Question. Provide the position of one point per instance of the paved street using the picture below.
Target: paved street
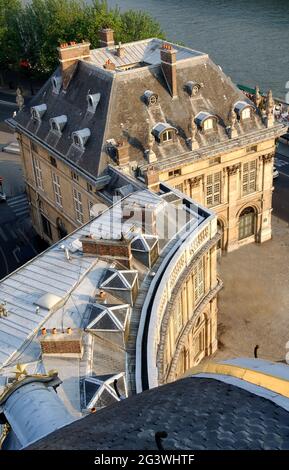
(6, 109)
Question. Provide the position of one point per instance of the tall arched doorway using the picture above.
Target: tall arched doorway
(247, 223)
(220, 227)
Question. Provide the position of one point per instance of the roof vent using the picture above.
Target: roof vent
(100, 392)
(92, 102)
(48, 301)
(58, 123)
(80, 137)
(108, 317)
(56, 84)
(193, 88)
(122, 284)
(145, 248)
(38, 111)
(150, 98)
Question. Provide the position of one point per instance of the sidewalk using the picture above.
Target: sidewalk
(254, 304)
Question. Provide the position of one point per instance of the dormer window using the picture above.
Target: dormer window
(58, 123)
(243, 110)
(80, 137)
(193, 88)
(56, 82)
(150, 98)
(164, 132)
(38, 111)
(206, 121)
(92, 102)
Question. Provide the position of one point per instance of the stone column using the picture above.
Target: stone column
(233, 175)
(265, 229)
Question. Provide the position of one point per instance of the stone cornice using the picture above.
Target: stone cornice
(220, 147)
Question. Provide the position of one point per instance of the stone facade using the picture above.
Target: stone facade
(229, 184)
(220, 154)
(53, 189)
(183, 322)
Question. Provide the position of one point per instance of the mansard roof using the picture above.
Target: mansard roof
(121, 108)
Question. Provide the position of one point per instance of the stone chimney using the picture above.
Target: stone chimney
(118, 250)
(69, 55)
(169, 67)
(120, 50)
(106, 37)
(122, 153)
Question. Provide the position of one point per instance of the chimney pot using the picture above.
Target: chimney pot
(102, 294)
(69, 330)
(54, 331)
(109, 65)
(43, 331)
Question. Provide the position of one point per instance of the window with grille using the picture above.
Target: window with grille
(249, 177)
(38, 173)
(57, 189)
(208, 124)
(179, 187)
(199, 281)
(213, 196)
(246, 113)
(246, 223)
(90, 206)
(78, 205)
(53, 162)
(74, 176)
(174, 173)
(34, 147)
(46, 226)
(167, 135)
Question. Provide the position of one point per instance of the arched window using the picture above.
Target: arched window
(247, 223)
(220, 226)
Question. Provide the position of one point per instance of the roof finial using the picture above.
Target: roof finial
(150, 154)
(19, 99)
(258, 97)
(270, 109)
(231, 129)
(232, 118)
(193, 144)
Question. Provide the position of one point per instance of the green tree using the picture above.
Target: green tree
(33, 31)
(138, 25)
(9, 9)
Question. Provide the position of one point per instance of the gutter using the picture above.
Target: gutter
(94, 180)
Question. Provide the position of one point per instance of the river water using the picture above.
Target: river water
(248, 38)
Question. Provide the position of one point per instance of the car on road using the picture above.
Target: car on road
(275, 172)
(2, 196)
